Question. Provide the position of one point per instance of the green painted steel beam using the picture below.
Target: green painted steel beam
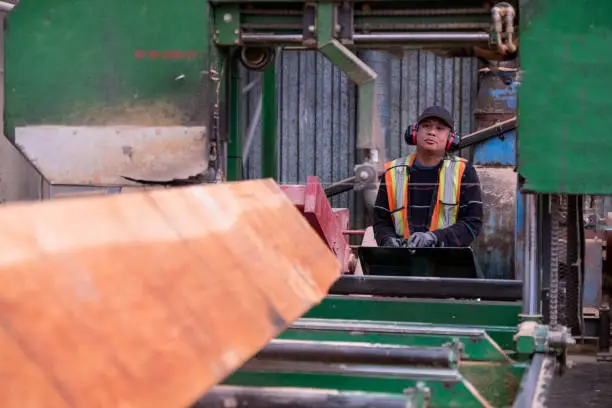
(565, 96)
(357, 70)
(288, 17)
(227, 20)
(269, 117)
(234, 148)
(441, 312)
(498, 319)
(474, 348)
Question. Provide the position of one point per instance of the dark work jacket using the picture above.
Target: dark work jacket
(423, 191)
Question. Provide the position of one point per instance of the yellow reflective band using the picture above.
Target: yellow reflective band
(449, 185)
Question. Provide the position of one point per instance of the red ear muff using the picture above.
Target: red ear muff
(453, 140)
(410, 135)
(449, 143)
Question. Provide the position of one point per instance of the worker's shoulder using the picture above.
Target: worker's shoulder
(400, 159)
(469, 171)
(459, 159)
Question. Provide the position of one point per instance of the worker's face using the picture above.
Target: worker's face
(432, 135)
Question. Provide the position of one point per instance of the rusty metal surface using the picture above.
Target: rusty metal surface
(495, 159)
(101, 156)
(495, 244)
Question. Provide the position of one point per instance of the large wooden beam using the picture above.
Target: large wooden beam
(148, 299)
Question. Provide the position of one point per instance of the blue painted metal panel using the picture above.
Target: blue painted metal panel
(593, 278)
(497, 101)
(497, 151)
(496, 247)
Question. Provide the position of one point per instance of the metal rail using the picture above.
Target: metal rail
(435, 288)
(496, 130)
(471, 139)
(390, 328)
(358, 353)
(279, 397)
(531, 300)
(424, 38)
(423, 374)
(536, 382)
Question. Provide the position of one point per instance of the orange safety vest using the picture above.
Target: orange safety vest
(449, 187)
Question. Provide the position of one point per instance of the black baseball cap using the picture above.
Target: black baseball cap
(438, 112)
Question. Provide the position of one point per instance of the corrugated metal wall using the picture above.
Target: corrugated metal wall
(317, 109)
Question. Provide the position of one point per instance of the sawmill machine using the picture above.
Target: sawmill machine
(116, 95)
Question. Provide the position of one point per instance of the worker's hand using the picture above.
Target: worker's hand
(421, 240)
(392, 242)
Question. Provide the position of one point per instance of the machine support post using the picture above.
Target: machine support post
(357, 70)
(234, 150)
(531, 270)
(604, 329)
(269, 151)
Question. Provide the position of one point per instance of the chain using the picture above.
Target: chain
(554, 261)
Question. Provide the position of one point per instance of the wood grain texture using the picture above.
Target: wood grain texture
(148, 299)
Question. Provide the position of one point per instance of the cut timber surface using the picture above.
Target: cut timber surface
(148, 299)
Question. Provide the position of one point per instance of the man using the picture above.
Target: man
(450, 216)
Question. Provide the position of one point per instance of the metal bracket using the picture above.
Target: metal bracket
(345, 23)
(309, 25)
(357, 70)
(227, 25)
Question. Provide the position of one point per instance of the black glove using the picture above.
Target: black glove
(422, 240)
(392, 242)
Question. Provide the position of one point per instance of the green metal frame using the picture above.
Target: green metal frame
(498, 319)
(357, 70)
(564, 98)
(269, 116)
(235, 19)
(489, 373)
(118, 62)
(479, 347)
(234, 145)
(448, 388)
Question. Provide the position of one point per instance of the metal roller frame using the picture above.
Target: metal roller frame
(280, 397)
(358, 353)
(435, 288)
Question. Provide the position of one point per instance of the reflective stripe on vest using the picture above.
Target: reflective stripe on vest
(447, 203)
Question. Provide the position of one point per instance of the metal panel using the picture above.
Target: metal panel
(496, 101)
(566, 83)
(19, 180)
(317, 111)
(593, 278)
(102, 155)
(108, 63)
(495, 244)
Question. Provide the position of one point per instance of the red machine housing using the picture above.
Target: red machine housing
(330, 223)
